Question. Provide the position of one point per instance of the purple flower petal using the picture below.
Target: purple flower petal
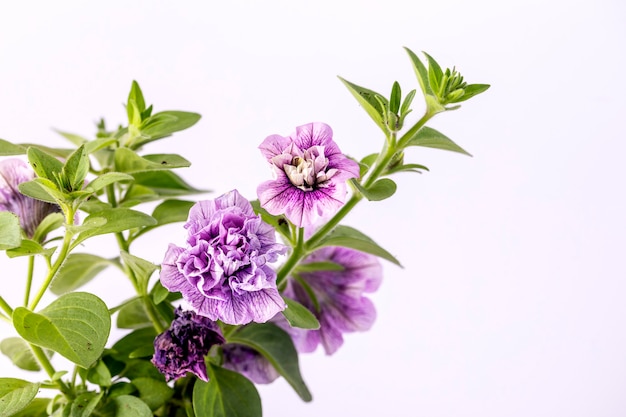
(249, 363)
(224, 273)
(310, 175)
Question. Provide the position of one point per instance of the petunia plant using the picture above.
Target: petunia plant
(252, 283)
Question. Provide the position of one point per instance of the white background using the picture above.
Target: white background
(511, 300)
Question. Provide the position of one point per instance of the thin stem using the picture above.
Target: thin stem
(153, 314)
(6, 307)
(47, 366)
(29, 279)
(67, 240)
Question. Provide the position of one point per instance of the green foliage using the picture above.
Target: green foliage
(11, 236)
(299, 316)
(15, 395)
(277, 347)
(227, 394)
(77, 270)
(75, 325)
(431, 138)
(16, 349)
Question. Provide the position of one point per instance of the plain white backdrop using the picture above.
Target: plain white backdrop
(511, 301)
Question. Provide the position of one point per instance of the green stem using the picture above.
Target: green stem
(29, 279)
(67, 240)
(47, 366)
(6, 307)
(152, 314)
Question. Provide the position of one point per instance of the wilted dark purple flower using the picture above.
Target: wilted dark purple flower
(341, 306)
(310, 174)
(249, 363)
(224, 272)
(30, 211)
(182, 347)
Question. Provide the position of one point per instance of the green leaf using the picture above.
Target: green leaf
(133, 315)
(36, 408)
(406, 104)
(16, 349)
(11, 235)
(76, 325)
(435, 74)
(159, 293)
(165, 183)
(277, 347)
(472, 90)
(380, 190)
(15, 395)
(129, 161)
(50, 223)
(115, 220)
(127, 406)
(99, 374)
(431, 138)
(137, 95)
(319, 266)
(165, 123)
(227, 394)
(8, 148)
(299, 316)
(29, 248)
(42, 189)
(75, 139)
(368, 99)
(153, 392)
(76, 169)
(408, 168)
(77, 270)
(133, 341)
(142, 268)
(421, 72)
(44, 164)
(85, 404)
(395, 97)
(105, 179)
(351, 238)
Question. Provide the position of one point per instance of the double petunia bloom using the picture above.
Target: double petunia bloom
(310, 175)
(224, 272)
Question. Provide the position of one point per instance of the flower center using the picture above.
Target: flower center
(309, 171)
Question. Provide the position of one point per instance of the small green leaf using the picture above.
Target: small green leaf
(137, 95)
(368, 99)
(99, 374)
(141, 268)
(421, 72)
(319, 266)
(29, 247)
(408, 168)
(406, 104)
(50, 223)
(472, 90)
(431, 138)
(133, 341)
(129, 161)
(277, 347)
(395, 97)
(15, 395)
(44, 164)
(42, 189)
(153, 392)
(36, 408)
(8, 148)
(380, 190)
(115, 220)
(133, 315)
(16, 349)
(75, 139)
(85, 404)
(127, 406)
(435, 74)
(165, 183)
(165, 123)
(77, 270)
(227, 394)
(11, 235)
(76, 325)
(105, 179)
(351, 238)
(299, 316)
(76, 169)
(159, 293)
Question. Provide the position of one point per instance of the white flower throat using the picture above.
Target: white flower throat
(309, 171)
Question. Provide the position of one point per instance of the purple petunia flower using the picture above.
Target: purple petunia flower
(310, 174)
(182, 347)
(224, 272)
(30, 211)
(341, 306)
(249, 363)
